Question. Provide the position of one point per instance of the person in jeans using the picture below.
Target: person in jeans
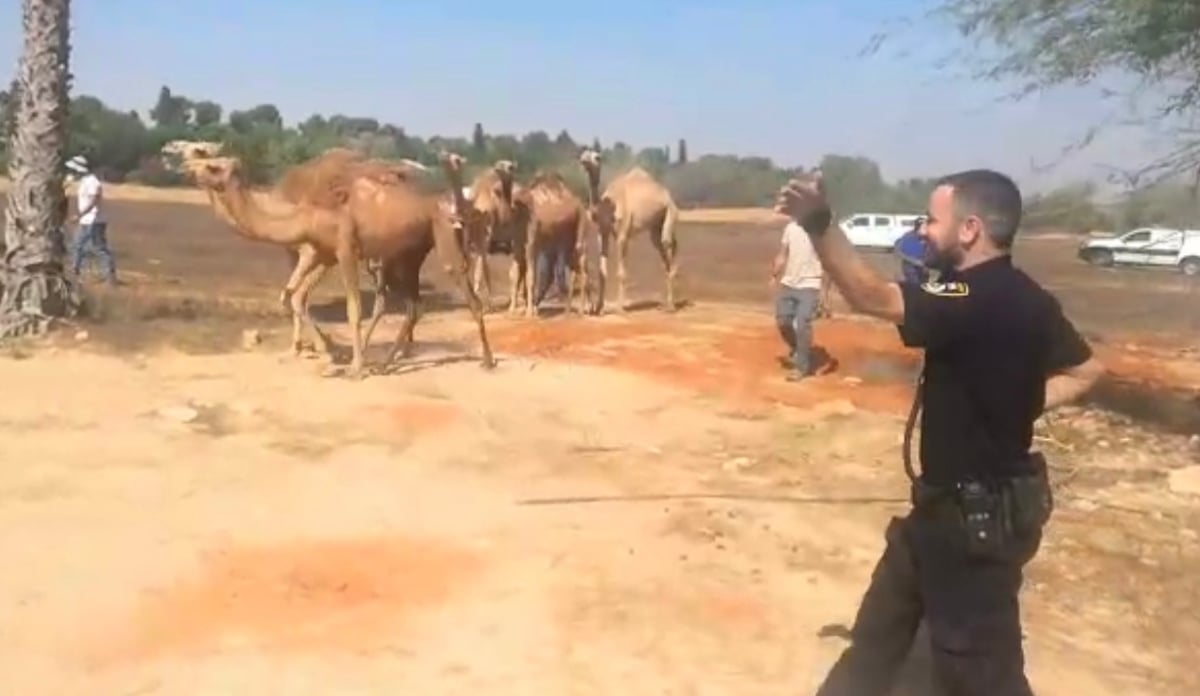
(92, 237)
(799, 276)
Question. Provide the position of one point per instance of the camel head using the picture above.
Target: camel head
(590, 159)
(505, 169)
(214, 173)
(177, 151)
(451, 161)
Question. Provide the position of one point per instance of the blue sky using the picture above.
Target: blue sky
(767, 77)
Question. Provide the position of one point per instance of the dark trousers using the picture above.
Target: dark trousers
(970, 608)
(93, 239)
(551, 266)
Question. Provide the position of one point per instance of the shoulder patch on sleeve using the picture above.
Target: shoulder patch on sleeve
(950, 289)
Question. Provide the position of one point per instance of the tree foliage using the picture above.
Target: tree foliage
(1042, 44)
(124, 147)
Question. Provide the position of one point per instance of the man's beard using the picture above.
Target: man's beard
(942, 261)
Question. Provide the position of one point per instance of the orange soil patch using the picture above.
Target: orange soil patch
(423, 415)
(737, 361)
(740, 360)
(346, 595)
(737, 610)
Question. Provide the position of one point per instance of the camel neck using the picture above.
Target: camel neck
(254, 222)
(593, 186)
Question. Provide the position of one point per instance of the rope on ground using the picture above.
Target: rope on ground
(743, 497)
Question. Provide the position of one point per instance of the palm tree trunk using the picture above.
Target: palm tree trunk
(35, 289)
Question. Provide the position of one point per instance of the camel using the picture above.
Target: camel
(399, 225)
(361, 217)
(552, 217)
(299, 183)
(631, 203)
(492, 219)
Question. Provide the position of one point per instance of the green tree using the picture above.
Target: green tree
(1042, 44)
(170, 111)
(479, 140)
(206, 113)
(36, 290)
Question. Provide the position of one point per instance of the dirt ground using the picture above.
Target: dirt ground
(186, 515)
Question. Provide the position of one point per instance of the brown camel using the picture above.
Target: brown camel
(307, 180)
(375, 219)
(397, 223)
(553, 219)
(631, 203)
(492, 219)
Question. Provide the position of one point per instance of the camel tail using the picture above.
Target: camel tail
(668, 226)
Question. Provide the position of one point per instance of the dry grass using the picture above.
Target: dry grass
(155, 194)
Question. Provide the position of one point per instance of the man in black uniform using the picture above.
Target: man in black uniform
(998, 352)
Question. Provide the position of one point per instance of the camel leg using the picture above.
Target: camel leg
(378, 305)
(531, 274)
(409, 287)
(579, 261)
(483, 272)
(306, 260)
(452, 249)
(622, 253)
(300, 314)
(516, 279)
(667, 252)
(602, 280)
(347, 258)
(668, 249)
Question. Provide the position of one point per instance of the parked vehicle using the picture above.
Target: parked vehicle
(1146, 246)
(876, 230)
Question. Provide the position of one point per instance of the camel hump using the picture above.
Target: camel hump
(549, 180)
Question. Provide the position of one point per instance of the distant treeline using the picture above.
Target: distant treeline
(125, 148)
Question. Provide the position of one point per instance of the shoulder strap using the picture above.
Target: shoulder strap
(978, 418)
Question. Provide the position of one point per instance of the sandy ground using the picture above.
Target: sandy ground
(185, 516)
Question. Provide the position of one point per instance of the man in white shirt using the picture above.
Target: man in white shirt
(797, 271)
(92, 237)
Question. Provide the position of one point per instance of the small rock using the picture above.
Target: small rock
(1194, 442)
(853, 381)
(251, 338)
(82, 335)
(179, 414)
(1185, 481)
(1084, 505)
(1189, 534)
(836, 407)
(737, 464)
(1102, 444)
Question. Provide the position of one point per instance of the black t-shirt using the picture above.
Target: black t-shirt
(991, 336)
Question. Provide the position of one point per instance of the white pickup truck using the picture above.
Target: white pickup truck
(1146, 246)
(876, 230)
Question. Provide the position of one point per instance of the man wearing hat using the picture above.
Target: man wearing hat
(92, 237)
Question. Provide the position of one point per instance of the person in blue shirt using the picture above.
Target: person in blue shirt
(911, 249)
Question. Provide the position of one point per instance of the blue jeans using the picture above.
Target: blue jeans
(92, 239)
(794, 312)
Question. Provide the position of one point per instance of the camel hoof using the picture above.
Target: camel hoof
(488, 363)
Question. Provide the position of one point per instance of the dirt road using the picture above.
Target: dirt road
(182, 516)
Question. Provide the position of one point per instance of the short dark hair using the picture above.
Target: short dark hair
(990, 196)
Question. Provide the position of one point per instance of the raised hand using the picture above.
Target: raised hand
(803, 199)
